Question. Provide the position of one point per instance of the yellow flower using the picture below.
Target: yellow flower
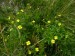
(29, 52)
(18, 13)
(36, 49)
(55, 37)
(59, 15)
(11, 29)
(52, 41)
(33, 21)
(22, 10)
(19, 27)
(9, 17)
(17, 20)
(12, 22)
(28, 43)
(59, 24)
(49, 21)
(30, 7)
(5, 40)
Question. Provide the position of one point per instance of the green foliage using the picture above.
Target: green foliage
(37, 28)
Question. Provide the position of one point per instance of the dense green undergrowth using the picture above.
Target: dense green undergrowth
(37, 28)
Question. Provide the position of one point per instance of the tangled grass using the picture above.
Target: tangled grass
(37, 28)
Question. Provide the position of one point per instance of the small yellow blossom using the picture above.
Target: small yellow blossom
(36, 49)
(19, 27)
(28, 43)
(49, 21)
(59, 15)
(5, 40)
(59, 24)
(22, 10)
(18, 13)
(55, 37)
(9, 17)
(11, 29)
(12, 22)
(17, 20)
(29, 52)
(52, 41)
(33, 21)
(30, 7)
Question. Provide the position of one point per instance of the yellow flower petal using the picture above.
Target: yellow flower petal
(5, 40)
(18, 13)
(55, 37)
(59, 15)
(19, 27)
(28, 43)
(22, 10)
(49, 21)
(59, 24)
(33, 21)
(29, 52)
(52, 41)
(11, 29)
(12, 22)
(36, 49)
(17, 20)
(9, 17)
(30, 7)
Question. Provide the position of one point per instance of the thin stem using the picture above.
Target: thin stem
(4, 41)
